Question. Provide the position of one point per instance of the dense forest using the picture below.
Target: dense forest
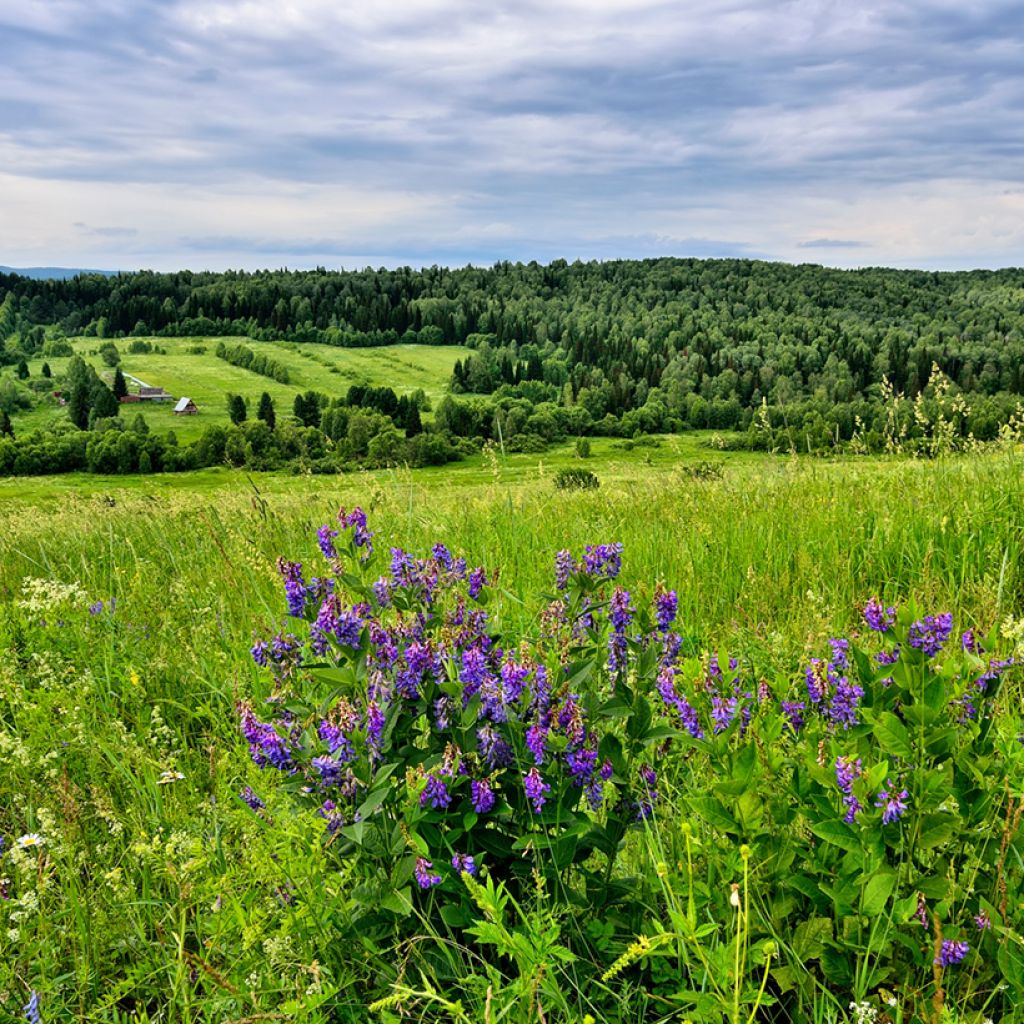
(797, 355)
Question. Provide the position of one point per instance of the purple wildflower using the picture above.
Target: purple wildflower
(564, 568)
(666, 605)
(325, 538)
(878, 618)
(602, 561)
(329, 769)
(723, 711)
(842, 708)
(951, 952)
(266, 746)
(425, 878)
(259, 652)
(840, 654)
(31, 1008)
(536, 741)
(435, 793)
(374, 725)
(482, 796)
(464, 862)
(848, 771)
(922, 912)
(581, 765)
(791, 709)
(930, 633)
(982, 921)
(535, 788)
(477, 582)
(894, 804)
(249, 798)
(888, 657)
(295, 588)
(95, 609)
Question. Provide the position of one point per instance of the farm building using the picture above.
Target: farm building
(149, 394)
(185, 407)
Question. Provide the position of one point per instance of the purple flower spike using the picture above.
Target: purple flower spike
(464, 862)
(930, 633)
(951, 953)
(425, 877)
(878, 618)
(894, 804)
(536, 789)
(482, 796)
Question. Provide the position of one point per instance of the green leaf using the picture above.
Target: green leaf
(937, 829)
(398, 901)
(891, 735)
(810, 937)
(876, 895)
(838, 833)
(713, 811)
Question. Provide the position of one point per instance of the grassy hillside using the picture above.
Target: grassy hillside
(183, 370)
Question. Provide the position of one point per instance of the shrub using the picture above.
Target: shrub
(576, 480)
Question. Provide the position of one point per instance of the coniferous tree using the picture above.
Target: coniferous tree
(266, 410)
(236, 409)
(120, 384)
(413, 423)
(46, 371)
(6, 429)
(22, 370)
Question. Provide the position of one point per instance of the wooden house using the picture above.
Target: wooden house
(186, 407)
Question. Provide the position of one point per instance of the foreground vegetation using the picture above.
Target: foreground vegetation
(155, 892)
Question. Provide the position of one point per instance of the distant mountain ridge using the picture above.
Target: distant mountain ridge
(54, 273)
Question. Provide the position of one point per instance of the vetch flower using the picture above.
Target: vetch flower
(464, 862)
(536, 789)
(878, 618)
(930, 633)
(983, 921)
(482, 796)
(951, 952)
(249, 797)
(435, 793)
(31, 1008)
(894, 804)
(425, 877)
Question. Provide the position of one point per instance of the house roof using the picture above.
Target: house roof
(183, 404)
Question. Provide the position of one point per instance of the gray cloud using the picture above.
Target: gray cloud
(203, 130)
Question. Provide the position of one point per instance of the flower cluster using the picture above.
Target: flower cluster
(508, 732)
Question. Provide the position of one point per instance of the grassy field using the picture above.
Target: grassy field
(206, 379)
(159, 900)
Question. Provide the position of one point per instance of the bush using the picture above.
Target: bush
(703, 470)
(576, 480)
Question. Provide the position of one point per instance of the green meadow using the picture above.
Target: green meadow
(189, 367)
(159, 896)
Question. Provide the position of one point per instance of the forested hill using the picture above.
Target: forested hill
(724, 330)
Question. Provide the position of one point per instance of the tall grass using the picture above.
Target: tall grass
(160, 898)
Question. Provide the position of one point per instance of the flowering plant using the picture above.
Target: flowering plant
(431, 745)
(878, 798)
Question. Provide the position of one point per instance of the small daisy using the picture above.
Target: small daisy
(167, 777)
(31, 840)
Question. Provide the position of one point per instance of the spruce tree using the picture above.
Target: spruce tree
(22, 370)
(266, 410)
(46, 371)
(120, 384)
(6, 430)
(236, 409)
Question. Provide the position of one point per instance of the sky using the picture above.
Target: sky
(215, 134)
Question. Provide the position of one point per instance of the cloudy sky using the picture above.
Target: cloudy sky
(249, 133)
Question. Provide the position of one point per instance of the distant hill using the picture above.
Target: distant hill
(54, 273)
